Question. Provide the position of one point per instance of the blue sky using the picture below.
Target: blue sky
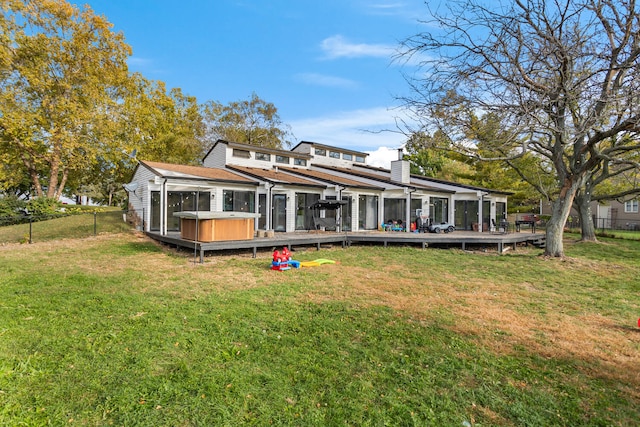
(326, 65)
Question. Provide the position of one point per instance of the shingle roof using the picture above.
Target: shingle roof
(274, 175)
(331, 178)
(169, 170)
(382, 178)
(434, 180)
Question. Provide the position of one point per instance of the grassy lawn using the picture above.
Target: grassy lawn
(115, 330)
(105, 220)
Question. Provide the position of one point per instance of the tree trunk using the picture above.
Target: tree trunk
(560, 212)
(583, 205)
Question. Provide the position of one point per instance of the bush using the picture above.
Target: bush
(43, 206)
(10, 205)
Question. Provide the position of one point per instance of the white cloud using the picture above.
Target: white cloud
(337, 46)
(387, 8)
(325, 80)
(372, 131)
(382, 157)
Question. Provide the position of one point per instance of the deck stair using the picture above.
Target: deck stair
(540, 242)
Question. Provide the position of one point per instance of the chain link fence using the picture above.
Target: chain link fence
(25, 228)
(573, 222)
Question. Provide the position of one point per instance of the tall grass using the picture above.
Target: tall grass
(116, 330)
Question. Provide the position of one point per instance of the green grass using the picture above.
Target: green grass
(79, 225)
(116, 330)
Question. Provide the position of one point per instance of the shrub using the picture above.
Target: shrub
(43, 206)
(10, 205)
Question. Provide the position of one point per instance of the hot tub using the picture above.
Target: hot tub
(216, 226)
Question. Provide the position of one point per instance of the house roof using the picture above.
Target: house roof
(434, 180)
(381, 178)
(470, 187)
(274, 176)
(329, 147)
(251, 147)
(332, 179)
(170, 170)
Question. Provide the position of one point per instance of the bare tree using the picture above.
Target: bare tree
(563, 75)
(614, 179)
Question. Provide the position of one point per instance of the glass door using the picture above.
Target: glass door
(262, 210)
(279, 212)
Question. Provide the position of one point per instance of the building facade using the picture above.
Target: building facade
(282, 186)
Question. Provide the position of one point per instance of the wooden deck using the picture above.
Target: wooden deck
(461, 239)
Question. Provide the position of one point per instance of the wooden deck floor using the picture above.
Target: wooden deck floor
(458, 238)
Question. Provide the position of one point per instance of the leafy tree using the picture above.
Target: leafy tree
(444, 161)
(562, 76)
(253, 121)
(63, 72)
(424, 161)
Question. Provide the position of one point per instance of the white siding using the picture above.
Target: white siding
(140, 200)
(217, 157)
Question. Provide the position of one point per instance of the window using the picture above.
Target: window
(300, 162)
(368, 213)
(304, 215)
(241, 153)
(178, 201)
(631, 206)
(263, 156)
(334, 154)
(346, 156)
(439, 209)
(239, 201)
(282, 159)
(394, 210)
(360, 159)
(321, 152)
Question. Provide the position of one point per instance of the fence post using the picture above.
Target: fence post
(30, 229)
(95, 223)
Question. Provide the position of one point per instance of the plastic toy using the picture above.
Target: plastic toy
(282, 260)
(316, 262)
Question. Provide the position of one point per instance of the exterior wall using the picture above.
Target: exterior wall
(344, 158)
(223, 154)
(217, 157)
(139, 201)
(401, 171)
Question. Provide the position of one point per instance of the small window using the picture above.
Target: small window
(300, 162)
(321, 152)
(282, 159)
(631, 206)
(334, 154)
(263, 156)
(241, 153)
(360, 159)
(346, 156)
